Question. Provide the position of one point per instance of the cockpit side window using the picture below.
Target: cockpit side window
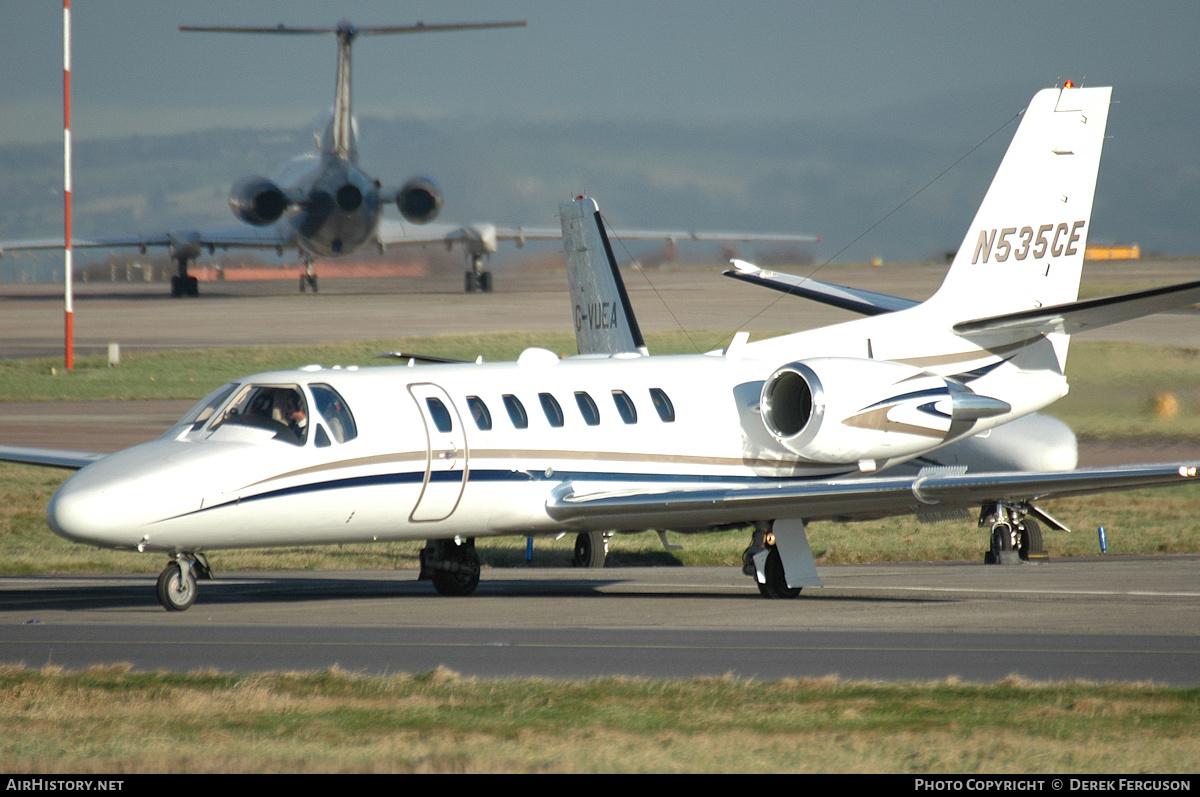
(333, 408)
(278, 408)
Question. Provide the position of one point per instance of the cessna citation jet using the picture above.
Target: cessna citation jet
(842, 423)
(325, 205)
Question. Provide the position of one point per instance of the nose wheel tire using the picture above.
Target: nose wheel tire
(176, 590)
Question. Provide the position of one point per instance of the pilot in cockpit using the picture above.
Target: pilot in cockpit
(294, 414)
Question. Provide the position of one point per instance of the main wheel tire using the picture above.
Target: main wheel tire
(454, 584)
(470, 282)
(176, 591)
(776, 586)
(591, 550)
(1029, 539)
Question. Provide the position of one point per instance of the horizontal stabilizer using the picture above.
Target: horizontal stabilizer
(855, 300)
(1089, 314)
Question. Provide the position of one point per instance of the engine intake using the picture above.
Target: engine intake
(419, 200)
(258, 201)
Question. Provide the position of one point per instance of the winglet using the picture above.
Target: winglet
(603, 315)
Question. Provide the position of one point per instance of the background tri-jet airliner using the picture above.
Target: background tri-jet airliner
(860, 420)
(325, 205)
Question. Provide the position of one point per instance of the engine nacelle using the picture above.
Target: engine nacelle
(843, 410)
(258, 201)
(419, 200)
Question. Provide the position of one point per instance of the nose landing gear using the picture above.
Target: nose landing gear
(176, 587)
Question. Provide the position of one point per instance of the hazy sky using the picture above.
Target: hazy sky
(935, 71)
(133, 69)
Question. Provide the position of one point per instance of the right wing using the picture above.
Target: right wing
(48, 457)
(842, 499)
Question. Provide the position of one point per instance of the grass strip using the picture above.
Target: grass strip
(113, 720)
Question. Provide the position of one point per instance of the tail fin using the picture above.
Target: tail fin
(1025, 248)
(604, 320)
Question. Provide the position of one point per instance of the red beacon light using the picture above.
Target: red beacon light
(1070, 84)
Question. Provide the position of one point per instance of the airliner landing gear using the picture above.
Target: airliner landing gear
(176, 587)
(1015, 537)
(309, 277)
(183, 284)
(452, 565)
(591, 549)
(477, 279)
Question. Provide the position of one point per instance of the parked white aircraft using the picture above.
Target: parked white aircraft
(324, 204)
(778, 433)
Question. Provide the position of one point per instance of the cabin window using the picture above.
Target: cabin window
(662, 404)
(550, 406)
(625, 406)
(479, 411)
(439, 414)
(333, 408)
(279, 409)
(587, 408)
(516, 411)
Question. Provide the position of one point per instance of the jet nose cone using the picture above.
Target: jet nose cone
(83, 513)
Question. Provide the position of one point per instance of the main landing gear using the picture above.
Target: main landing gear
(309, 277)
(177, 583)
(477, 280)
(774, 584)
(591, 549)
(1015, 537)
(452, 565)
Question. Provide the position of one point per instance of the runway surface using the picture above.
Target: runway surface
(1098, 619)
(140, 315)
(1130, 619)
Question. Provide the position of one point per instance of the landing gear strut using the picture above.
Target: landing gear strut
(452, 565)
(477, 279)
(309, 277)
(176, 586)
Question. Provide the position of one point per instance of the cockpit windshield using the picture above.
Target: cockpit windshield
(281, 409)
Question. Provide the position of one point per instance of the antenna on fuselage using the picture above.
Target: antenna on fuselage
(341, 143)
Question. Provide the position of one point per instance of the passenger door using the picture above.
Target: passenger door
(445, 454)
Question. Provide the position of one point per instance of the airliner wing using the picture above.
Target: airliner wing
(845, 499)
(853, 299)
(1089, 314)
(245, 237)
(483, 237)
(52, 458)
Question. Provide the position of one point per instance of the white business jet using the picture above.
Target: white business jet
(778, 433)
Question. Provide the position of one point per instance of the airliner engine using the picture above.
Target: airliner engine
(844, 410)
(419, 200)
(257, 201)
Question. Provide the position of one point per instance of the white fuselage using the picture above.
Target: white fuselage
(441, 450)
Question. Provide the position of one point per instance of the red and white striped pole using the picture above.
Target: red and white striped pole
(69, 298)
